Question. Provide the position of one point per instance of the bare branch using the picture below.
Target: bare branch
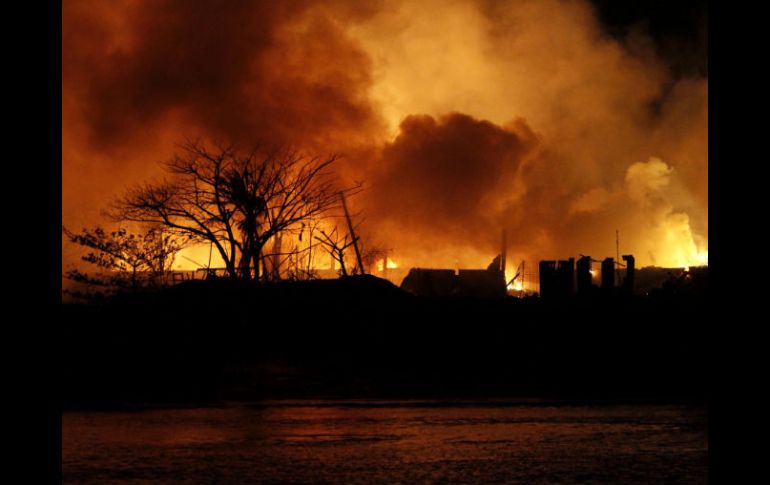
(237, 201)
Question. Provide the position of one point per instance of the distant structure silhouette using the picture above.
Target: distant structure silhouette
(559, 278)
(628, 282)
(608, 274)
(584, 276)
(484, 283)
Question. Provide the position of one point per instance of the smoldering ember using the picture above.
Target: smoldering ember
(311, 229)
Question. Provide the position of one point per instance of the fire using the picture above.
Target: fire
(516, 286)
(683, 255)
(671, 241)
(391, 264)
(516, 126)
(700, 258)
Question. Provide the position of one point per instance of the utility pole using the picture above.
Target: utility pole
(503, 251)
(352, 234)
(617, 256)
(385, 264)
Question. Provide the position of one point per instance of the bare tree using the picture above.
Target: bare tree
(371, 255)
(284, 258)
(336, 245)
(234, 200)
(312, 226)
(125, 260)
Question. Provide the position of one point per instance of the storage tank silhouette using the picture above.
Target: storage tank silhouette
(628, 282)
(608, 273)
(557, 278)
(584, 275)
(547, 270)
(565, 277)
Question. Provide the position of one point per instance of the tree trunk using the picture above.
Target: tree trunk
(256, 256)
(246, 257)
(277, 257)
(264, 267)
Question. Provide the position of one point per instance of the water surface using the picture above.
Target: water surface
(367, 442)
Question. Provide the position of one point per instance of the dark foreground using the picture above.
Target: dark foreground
(366, 442)
(362, 337)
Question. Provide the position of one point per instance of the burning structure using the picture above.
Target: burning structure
(485, 283)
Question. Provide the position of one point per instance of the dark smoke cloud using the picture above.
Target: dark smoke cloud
(446, 187)
(138, 77)
(441, 173)
(258, 70)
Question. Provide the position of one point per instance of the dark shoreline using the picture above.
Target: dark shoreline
(363, 338)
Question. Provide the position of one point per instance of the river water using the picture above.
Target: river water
(366, 442)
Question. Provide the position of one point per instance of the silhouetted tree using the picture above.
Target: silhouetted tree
(125, 260)
(336, 245)
(371, 255)
(310, 228)
(236, 201)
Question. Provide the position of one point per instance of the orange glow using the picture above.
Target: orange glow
(516, 286)
(391, 264)
(459, 118)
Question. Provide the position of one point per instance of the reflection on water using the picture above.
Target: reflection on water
(367, 442)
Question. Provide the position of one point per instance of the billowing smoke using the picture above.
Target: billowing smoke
(238, 70)
(140, 77)
(461, 117)
(649, 186)
(443, 184)
(597, 104)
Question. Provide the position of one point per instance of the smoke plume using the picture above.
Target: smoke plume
(461, 117)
